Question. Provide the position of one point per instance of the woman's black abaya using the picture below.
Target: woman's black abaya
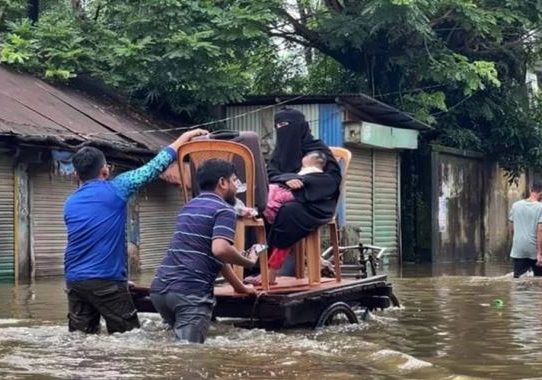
(316, 201)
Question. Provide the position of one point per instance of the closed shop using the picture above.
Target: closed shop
(386, 200)
(372, 196)
(159, 204)
(48, 232)
(359, 192)
(7, 233)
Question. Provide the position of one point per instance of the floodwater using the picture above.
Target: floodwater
(471, 321)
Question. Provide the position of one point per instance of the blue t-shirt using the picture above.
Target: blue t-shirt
(95, 217)
(189, 266)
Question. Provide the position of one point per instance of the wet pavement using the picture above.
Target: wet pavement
(468, 321)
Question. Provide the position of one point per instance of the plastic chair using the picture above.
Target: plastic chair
(311, 245)
(200, 151)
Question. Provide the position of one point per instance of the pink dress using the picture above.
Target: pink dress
(278, 195)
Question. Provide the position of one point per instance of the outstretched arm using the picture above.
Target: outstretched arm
(129, 182)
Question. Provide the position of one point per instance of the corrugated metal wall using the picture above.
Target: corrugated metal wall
(385, 200)
(330, 124)
(255, 121)
(48, 232)
(372, 196)
(312, 115)
(330, 128)
(7, 233)
(262, 121)
(159, 204)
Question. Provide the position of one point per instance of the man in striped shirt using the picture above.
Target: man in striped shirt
(182, 291)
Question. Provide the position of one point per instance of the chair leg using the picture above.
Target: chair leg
(334, 235)
(240, 245)
(313, 257)
(299, 252)
(263, 258)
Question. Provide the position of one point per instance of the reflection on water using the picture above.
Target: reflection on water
(472, 321)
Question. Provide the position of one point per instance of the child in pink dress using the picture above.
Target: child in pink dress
(279, 194)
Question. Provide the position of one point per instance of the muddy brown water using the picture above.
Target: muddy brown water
(469, 321)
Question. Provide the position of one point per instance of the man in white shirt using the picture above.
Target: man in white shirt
(526, 225)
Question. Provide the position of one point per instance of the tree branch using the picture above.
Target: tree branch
(438, 20)
(334, 5)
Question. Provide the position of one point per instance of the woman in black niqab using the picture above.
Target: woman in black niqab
(315, 203)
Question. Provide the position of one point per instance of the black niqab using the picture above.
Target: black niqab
(316, 202)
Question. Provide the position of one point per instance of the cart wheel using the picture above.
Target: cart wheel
(337, 314)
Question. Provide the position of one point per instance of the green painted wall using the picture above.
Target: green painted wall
(381, 136)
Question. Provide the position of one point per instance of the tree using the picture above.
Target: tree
(168, 55)
(458, 64)
(10, 10)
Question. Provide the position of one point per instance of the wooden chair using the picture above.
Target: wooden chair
(310, 246)
(200, 151)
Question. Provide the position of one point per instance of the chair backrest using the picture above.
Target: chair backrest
(343, 157)
(200, 151)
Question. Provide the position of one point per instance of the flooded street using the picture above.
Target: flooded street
(473, 321)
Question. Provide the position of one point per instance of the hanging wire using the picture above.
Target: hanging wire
(160, 130)
(183, 128)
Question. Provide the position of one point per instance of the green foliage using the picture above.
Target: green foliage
(166, 54)
(10, 10)
(456, 64)
(459, 65)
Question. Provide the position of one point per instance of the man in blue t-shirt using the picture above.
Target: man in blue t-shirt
(201, 247)
(95, 260)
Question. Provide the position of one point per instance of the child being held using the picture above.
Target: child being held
(279, 194)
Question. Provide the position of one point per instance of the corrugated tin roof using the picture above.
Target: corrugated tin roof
(369, 109)
(34, 110)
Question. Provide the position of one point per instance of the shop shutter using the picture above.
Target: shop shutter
(48, 232)
(7, 232)
(159, 204)
(372, 196)
(359, 205)
(386, 200)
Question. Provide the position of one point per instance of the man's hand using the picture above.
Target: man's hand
(251, 255)
(249, 289)
(539, 259)
(187, 136)
(193, 133)
(227, 253)
(235, 282)
(294, 184)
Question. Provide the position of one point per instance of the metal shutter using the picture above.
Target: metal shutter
(385, 200)
(359, 205)
(7, 232)
(159, 204)
(372, 196)
(48, 232)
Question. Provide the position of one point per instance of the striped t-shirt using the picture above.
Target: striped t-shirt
(189, 266)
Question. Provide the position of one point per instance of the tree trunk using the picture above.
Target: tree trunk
(307, 51)
(33, 10)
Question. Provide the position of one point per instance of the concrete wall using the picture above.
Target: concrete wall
(455, 206)
(500, 196)
(457, 199)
